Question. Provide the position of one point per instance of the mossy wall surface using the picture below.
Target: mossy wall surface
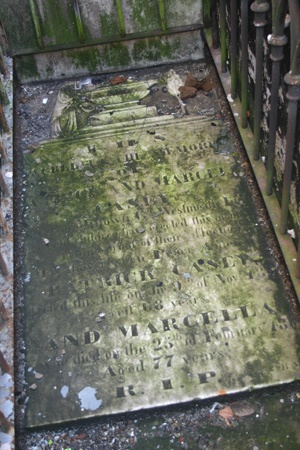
(18, 24)
(99, 20)
(110, 57)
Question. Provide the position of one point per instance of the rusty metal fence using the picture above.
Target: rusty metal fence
(6, 250)
(284, 19)
(4, 191)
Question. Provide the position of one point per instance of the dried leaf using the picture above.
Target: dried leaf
(187, 92)
(33, 387)
(226, 413)
(82, 436)
(192, 81)
(242, 409)
(207, 85)
(118, 80)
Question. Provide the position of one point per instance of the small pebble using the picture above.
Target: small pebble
(38, 376)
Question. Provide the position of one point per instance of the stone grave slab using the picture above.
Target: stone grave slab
(149, 280)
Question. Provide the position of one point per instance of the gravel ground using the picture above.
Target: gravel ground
(197, 425)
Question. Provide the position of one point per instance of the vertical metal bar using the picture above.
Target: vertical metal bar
(276, 40)
(292, 79)
(3, 222)
(233, 34)
(289, 152)
(223, 35)
(214, 24)
(3, 266)
(121, 18)
(3, 93)
(3, 39)
(3, 122)
(206, 13)
(162, 14)
(3, 185)
(244, 14)
(3, 68)
(3, 151)
(79, 23)
(258, 90)
(37, 25)
(276, 56)
(3, 311)
(259, 7)
(4, 366)
(298, 261)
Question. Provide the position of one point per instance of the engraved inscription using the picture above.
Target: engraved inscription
(156, 285)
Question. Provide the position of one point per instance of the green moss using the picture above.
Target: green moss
(60, 25)
(26, 67)
(88, 58)
(109, 25)
(138, 220)
(145, 15)
(155, 49)
(49, 71)
(116, 55)
(12, 20)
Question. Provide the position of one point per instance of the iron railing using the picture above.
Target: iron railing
(277, 40)
(4, 191)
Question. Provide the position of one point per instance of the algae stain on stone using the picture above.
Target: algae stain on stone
(109, 25)
(116, 54)
(86, 58)
(144, 271)
(26, 66)
(61, 26)
(154, 49)
(145, 15)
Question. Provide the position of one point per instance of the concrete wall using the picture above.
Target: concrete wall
(103, 48)
(106, 58)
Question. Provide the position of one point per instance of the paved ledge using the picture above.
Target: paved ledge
(286, 243)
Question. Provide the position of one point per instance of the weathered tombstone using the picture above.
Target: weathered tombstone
(148, 277)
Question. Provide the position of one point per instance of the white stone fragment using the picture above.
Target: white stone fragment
(64, 391)
(88, 399)
(292, 233)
